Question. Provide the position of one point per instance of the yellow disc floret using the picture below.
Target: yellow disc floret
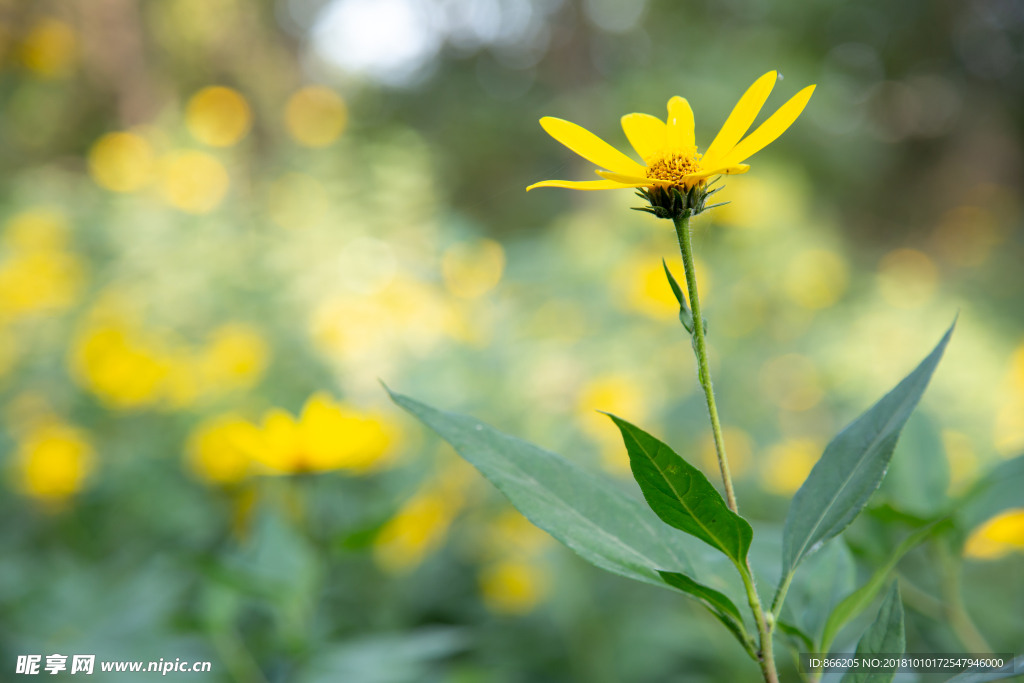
(675, 165)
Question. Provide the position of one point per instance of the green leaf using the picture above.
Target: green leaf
(682, 496)
(1000, 490)
(852, 467)
(885, 636)
(685, 315)
(819, 585)
(1012, 669)
(859, 600)
(718, 604)
(586, 513)
(796, 633)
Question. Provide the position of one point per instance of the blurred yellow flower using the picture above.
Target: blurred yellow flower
(296, 201)
(38, 229)
(617, 394)
(513, 586)
(221, 450)
(668, 148)
(639, 284)
(123, 368)
(511, 534)
(234, 358)
(218, 116)
(193, 182)
(419, 528)
(122, 162)
(315, 116)
(471, 269)
(791, 382)
(816, 278)
(327, 436)
(788, 465)
(999, 536)
(50, 49)
(907, 278)
(54, 460)
(38, 276)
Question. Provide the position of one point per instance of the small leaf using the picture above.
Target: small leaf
(852, 467)
(587, 513)
(1011, 669)
(885, 636)
(685, 315)
(794, 632)
(859, 600)
(717, 603)
(682, 496)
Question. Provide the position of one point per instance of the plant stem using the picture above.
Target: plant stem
(956, 610)
(766, 655)
(701, 349)
(766, 658)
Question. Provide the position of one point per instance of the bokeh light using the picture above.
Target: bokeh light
(218, 116)
(315, 116)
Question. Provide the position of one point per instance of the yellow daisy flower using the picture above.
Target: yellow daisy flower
(668, 148)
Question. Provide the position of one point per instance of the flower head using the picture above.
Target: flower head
(671, 163)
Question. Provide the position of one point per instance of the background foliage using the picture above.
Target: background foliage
(225, 220)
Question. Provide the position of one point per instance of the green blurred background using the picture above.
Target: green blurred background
(224, 221)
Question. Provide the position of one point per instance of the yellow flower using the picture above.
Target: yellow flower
(997, 537)
(513, 587)
(327, 436)
(54, 460)
(669, 150)
(221, 450)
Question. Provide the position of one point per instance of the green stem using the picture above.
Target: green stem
(956, 610)
(766, 655)
(701, 349)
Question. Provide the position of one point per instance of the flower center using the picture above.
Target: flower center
(676, 165)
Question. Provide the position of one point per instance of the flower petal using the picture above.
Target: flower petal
(633, 181)
(646, 133)
(680, 123)
(589, 146)
(771, 129)
(577, 184)
(722, 170)
(743, 114)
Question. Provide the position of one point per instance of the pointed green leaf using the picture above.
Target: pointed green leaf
(859, 600)
(852, 467)
(585, 512)
(682, 496)
(1010, 670)
(885, 636)
(685, 315)
(797, 634)
(717, 603)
